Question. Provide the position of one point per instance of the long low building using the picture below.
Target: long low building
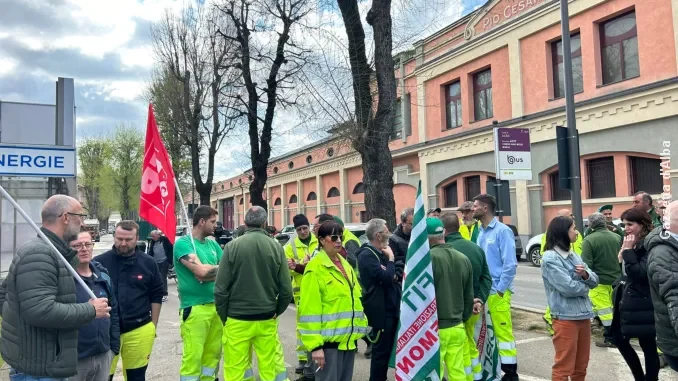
(502, 66)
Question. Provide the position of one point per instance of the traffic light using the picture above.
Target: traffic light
(563, 142)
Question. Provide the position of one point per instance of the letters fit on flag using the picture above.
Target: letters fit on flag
(417, 349)
(156, 204)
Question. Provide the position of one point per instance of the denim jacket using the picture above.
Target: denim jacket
(567, 293)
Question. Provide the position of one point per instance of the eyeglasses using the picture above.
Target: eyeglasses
(79, 246)
(334, 238)
(81, 215)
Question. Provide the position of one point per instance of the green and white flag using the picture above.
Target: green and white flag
(417, 349)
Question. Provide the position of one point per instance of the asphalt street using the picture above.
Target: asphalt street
(535, 351)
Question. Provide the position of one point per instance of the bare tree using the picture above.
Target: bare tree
(188, 48)
(267, 71)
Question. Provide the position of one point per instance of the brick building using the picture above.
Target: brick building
(503, 63)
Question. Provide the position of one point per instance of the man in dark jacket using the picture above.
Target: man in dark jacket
(39, 309)
(98, 341)
(381, 294)
(138, 290)
(400, 239)
(662, 267)
(600, 250)
(162, 250)
(642, 200)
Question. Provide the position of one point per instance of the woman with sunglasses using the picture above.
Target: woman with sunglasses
(331, 317)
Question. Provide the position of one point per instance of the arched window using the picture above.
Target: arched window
(277, 202)
(293, 199)
(334, 192)
(309, 159)
(231, 185)
(239, 181)
(311, 197)
(275, 170)
(359, 188)
(241, 201)
(290, 165)
(222, 186)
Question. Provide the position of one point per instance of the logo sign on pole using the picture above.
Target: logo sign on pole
(513, 160)
(21, 160)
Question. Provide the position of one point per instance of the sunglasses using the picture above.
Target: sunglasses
(334, 238)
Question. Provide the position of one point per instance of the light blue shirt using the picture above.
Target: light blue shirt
(498, 242)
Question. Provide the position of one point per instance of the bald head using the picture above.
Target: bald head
(56, 206)
(672, 216)
(564, 213)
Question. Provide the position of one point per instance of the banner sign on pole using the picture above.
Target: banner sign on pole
(21, 160)
(513, 160)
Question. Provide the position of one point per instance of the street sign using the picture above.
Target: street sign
(20, 160)
(513, 160)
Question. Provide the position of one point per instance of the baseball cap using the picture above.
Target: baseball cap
(434, 210)
(434, 226)
(468, 205)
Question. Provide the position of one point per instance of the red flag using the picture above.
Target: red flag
(157, 182)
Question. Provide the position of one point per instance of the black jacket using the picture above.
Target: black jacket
(101, 335)
(167, 245)
(399, 242)
(636, 312)
(381, 289)
(662, 267)
(137, 284)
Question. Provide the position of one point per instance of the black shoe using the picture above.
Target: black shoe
(368, 351)
(300, 367)
(306, 378)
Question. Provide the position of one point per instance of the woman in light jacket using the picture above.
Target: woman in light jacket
(567, 281)
(331, 317)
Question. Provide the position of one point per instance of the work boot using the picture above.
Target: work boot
(300, 367)
(605, 343)
(305, 378)
(368, 351)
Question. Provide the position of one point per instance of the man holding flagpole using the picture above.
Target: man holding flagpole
(196, 260)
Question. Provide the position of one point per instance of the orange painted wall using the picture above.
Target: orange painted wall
(404, 195)
(308, 186)
(461, 187)
(411, 160)
(290, 189)
(655, 46)
(353, 177)
(550, 212)
(501, 94)
(275, 193)
(330, 180)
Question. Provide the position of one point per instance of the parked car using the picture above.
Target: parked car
(356, 228)
(533, 248)
(519, 243)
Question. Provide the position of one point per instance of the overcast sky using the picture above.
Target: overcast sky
(104, 45)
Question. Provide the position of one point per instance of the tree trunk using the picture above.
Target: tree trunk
(373, 135)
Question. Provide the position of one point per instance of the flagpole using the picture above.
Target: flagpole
(183, 208)
(42, 235)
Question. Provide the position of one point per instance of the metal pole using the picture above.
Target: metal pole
(42, 235)
(189, 230)
(498, 189)
(575, 173)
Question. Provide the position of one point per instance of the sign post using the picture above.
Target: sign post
(513, 160)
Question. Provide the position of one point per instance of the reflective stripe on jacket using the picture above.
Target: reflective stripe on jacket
(330, 311)
(298, 251)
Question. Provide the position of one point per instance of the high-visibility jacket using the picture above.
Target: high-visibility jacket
(330, 312)
(468, 232)
(576, 245)
(298, 251)
(348, 236)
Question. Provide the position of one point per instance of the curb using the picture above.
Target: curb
(529, 309)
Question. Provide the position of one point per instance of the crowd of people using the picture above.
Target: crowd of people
(344, 292)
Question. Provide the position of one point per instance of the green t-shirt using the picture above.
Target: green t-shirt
(192, 292)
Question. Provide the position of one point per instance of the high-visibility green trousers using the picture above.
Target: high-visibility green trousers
(472, 349)
(500, 312)
(301, 351)
(238, 339)
(549, 320)
(135, 351)
(601, 299)
(452, 352)
(201, 331)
